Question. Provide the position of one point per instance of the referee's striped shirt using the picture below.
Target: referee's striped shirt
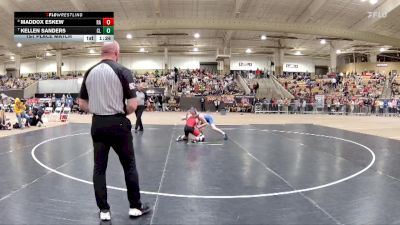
(106, 86)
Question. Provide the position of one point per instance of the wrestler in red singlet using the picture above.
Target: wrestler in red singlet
(191, 122)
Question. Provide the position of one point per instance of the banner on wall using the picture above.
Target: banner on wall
(381, 65)
(154, 91)
(245, 64)
(292, 66)
(303, 67)
(320, 101)
(43, 100)
(227, 99)
(244, 100)
(367, 74)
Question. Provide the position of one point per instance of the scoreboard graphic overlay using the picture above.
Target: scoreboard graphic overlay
(64, 26)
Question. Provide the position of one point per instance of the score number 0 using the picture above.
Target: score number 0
(108, 25)
(108, 22)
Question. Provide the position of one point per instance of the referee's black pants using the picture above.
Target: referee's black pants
(139, 111)
(114, 131)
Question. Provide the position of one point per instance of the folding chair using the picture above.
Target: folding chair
(55, 116)
(65, 114)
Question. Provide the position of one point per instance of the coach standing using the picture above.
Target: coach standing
(108, 92)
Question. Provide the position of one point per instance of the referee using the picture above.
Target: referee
(108, 92)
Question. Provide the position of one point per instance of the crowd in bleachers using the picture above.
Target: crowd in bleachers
(249, 76)
(7, 83)
(154, 79)
(342, 106)
(343, 93)
(340, 86)
(201, 82)
(52, 76)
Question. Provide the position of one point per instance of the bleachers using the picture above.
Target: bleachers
(202, 82)
(7, 83)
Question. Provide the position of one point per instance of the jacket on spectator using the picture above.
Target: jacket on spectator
(19, 107)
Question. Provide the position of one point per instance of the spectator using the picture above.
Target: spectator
(297, 105)
(280, 105)
(216, 104)
(164, 103)
(69, 101)
(265, 104)
(202, 102)
(394, 106)
(255, 87)
(176, 75)
(63, 99)
(53, 102)
(5, 124)
(304, 105)
(38, 111)
(398, 106)
(19, 109)
(35, 120)
(286, 103)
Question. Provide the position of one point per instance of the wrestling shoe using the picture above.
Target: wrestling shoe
(225, 137)
(180, 138)
(134, 212)
(202, 138)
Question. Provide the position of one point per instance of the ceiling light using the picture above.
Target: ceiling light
(129, 36)
(298, 53)
(141, 50)
(382, 49)
(363, 0)
(248, 51)
(338, 51)
(12, 57)
(323, 41)
(19, 45)
(373, 2)
(196, 35)
(91, 51)
(48, 54)
(263, 37)
(195, 49)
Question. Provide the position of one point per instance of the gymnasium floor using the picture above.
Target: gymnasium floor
(264, 174)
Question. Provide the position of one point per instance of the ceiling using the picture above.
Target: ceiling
(227, 25)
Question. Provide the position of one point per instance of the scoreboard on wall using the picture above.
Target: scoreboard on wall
(64, 26)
